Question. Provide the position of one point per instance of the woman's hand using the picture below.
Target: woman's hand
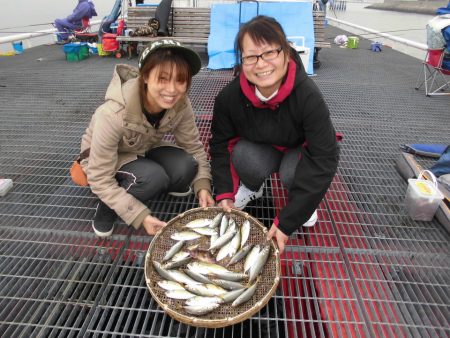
(152, 225)
(226, 205)
(280, 237)
(205, 199)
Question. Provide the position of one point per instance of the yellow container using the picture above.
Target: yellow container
(101, 52)
(353, 42)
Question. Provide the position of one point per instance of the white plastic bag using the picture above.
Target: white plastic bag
(422, 197)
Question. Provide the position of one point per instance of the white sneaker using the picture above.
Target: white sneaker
(245, 195)
(312, 220)
(181, 194)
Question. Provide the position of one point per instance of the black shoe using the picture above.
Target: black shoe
(103, 223)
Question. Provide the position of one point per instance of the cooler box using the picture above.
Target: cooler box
(298, 43)
(76, 51)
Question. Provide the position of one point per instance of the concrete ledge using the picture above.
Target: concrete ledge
(418, 7)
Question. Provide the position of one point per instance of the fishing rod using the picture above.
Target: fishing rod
(38, 24)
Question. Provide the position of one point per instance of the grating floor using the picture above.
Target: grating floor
(365, 270)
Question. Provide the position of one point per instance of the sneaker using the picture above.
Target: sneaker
(103, 223)
(312, 220)
(244, 195)
(181, 194)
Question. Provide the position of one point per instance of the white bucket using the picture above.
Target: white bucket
(422, 197)
(298, 43)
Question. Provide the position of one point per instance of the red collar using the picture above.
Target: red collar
(285, 89)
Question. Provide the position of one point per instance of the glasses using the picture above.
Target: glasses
(266, 56)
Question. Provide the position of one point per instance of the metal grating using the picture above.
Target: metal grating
(364, 270)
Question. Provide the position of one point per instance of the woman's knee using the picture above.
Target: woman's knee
(144, 181)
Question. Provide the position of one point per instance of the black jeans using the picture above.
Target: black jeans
(254, 162)
(163, 169)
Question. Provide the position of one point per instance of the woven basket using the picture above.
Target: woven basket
(226, 314)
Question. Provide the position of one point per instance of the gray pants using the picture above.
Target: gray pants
(254, 162)
(163, 169)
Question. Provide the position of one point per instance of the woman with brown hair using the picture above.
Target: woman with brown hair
(123, 153)
(272, 118)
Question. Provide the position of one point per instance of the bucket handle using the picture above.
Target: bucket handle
(433, 178)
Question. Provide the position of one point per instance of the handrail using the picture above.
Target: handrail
(25, 36)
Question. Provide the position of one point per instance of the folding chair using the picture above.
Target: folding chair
(435, 77)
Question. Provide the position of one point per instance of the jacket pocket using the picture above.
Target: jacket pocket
(132, 141)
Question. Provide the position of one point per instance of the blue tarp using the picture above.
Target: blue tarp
(295, 18)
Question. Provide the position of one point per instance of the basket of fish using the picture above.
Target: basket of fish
(210, 268)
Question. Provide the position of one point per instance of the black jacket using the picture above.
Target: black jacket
(302, 117)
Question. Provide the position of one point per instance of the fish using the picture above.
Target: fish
(229, 275)
(215, 223)
(180, 255)
(251, 257)
(260, 261)
(245, 296)
(223, 252)
(231, 224)
(222, 240)
(201, 309)
(207, 231)
(185, 236)
(206, 290)
(163, 272)
(198, 223)
(231, 295)
(203, 256)
(173, 250)
(240, 255)
(235, 244)
(170, 285)
(226, 284)
(223, 225)
(200, 300)
(177, 264)
(245, 232)
(179, 294)
(212, 239)
(206, 268)
(181, 277)
(197, 276)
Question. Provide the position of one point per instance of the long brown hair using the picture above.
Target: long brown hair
(262, 29)
(166, 59)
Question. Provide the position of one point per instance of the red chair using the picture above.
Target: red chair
(435, 78)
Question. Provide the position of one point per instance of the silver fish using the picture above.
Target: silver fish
(223, 225)
(201, 309)
(215, 223)
(163, 272)
(179, 294)
(206, 268)
(231, 276)
(251, 257)
(173, 250)
(231, 224)
(177, 264)
(229, 285)
(200, 300)
(198, 223)
(223, 252)
(212, 239)
(222, 240)
(240, 255)
(197, 276)
(261, 260)
(207, 231)
(245, 232)
(185, 236)
(245, 296)
(206, 290)
(235, 244)
(232, 295)
(180, 255)
(181, 277)
(170, 285)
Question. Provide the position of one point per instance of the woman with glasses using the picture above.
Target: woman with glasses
(272, 118)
